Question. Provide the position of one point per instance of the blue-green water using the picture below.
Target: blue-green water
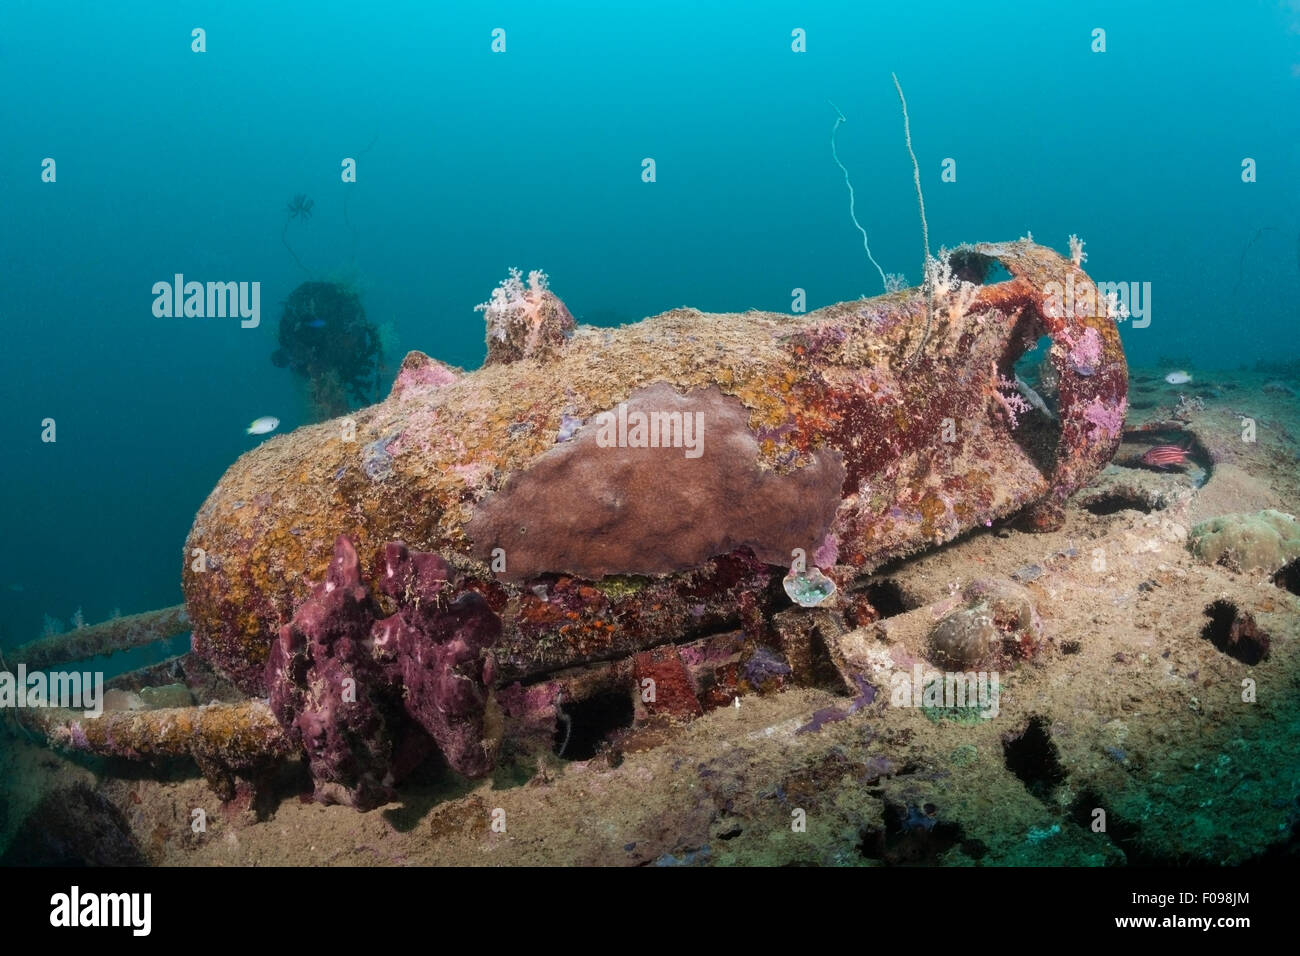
(468, 162)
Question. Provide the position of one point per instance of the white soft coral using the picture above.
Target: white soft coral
(511, 302)
(1077, 255)
(950, 291)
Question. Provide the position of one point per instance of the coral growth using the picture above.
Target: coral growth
(524, 321)
(660, 508)
(1077, 255)
(996, 627)
(1106, 420)
(1085, 352)
(667, 688)
(1263, 540)
(951, 291)
(964, 640)
(1006, 393)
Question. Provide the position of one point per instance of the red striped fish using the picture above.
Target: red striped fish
(1162, 456)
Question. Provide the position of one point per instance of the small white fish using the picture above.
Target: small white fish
(267, 423)
(1178, 378)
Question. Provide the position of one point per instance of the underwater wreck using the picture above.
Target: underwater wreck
(623, 512)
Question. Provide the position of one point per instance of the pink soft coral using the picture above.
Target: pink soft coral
(1007, 395)
(1107, 421)
(1085, 352)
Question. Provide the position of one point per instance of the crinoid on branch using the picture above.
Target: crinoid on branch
(299, 208)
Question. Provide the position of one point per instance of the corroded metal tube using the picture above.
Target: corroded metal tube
(118, 634)
(610, 489)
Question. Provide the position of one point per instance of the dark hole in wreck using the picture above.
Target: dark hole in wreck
(584, 725)
(1037, 432)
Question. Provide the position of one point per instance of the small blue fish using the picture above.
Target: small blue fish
(316, 324)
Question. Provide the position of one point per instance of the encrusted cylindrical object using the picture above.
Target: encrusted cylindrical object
(606, 490)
